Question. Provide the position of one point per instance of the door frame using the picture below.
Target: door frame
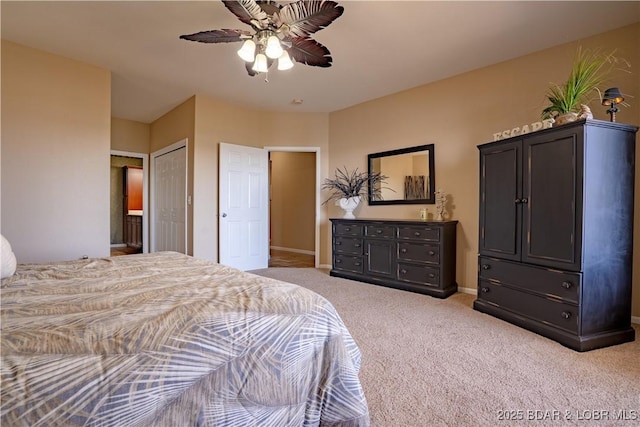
(183, 143)
(145, 192)
(315, 150)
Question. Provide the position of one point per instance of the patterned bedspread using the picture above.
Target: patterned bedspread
(164, 339)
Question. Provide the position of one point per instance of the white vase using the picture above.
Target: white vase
(348, 205)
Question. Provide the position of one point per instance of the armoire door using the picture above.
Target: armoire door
(500, 193)
(551, 200)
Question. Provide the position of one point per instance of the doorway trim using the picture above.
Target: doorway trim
(145, 192)
(183, 143)
(315, 150)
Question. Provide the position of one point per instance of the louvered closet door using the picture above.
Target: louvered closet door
(170, 201)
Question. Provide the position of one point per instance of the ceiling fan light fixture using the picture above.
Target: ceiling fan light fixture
(282, 31)
(285, 62)
(273, 49)
(260, 64)
(247, 51)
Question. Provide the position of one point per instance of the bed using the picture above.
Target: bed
(165, 339)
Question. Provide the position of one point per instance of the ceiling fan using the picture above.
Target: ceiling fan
(280, 32)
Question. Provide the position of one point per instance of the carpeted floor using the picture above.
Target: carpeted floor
(433, 362)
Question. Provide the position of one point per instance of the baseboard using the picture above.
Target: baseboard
(297, 251)
(118, 245)
(470, 291)
(326, 266)
(635, 319)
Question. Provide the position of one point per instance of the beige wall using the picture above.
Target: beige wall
(55, 155)
(129, 135)
(292, 200)
(461, 112)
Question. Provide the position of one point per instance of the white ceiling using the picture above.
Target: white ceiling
(378, 47)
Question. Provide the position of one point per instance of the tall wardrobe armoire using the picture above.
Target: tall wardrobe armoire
(556, 232)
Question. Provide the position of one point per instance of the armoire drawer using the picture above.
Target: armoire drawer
(348, 263)
(549, 311)
(420, 274)
(419, 252)
(431, 234)
(543, 281)
(348, 245)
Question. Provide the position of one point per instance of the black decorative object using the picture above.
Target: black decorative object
(611, 97)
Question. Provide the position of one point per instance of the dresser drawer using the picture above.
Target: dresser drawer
(542, 281)
(348, 245)
(549, 311)
(341, 229)
(431, 234)
(380, 230)
(419, 252)
(348, 263)
(419, 274)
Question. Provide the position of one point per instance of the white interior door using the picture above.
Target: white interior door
(243, 220)
(170, 201)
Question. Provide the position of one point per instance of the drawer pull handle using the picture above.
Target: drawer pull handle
(417, 234)
(347, 229)
(432, 253)
(403, 271)
(403, 250)
(525, 200)
(379, 231)
(357, 264)
(338, 243)
(431, 275)
(338, 261)
(566, 315)
(567, 285)
(357, 245)
(486, 266)
(518, 201)
(485, 290)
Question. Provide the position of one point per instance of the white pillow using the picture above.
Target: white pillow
(8, 259)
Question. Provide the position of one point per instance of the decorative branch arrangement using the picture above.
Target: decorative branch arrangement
(348, 184)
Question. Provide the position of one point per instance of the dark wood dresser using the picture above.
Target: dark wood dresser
(556, 232)
(418, 256)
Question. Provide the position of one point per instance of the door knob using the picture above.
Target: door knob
(224, 215)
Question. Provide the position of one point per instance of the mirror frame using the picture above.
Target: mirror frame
(432, 175)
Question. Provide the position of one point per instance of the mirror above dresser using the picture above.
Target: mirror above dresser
(410, 176)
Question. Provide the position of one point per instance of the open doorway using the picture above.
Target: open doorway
(293, 207)
(128, 203)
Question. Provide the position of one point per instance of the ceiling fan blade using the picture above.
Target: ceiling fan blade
(218, 36)
(305, 17)
(249, 12)
(306, 50)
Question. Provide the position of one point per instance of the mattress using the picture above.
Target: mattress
(165, 339)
